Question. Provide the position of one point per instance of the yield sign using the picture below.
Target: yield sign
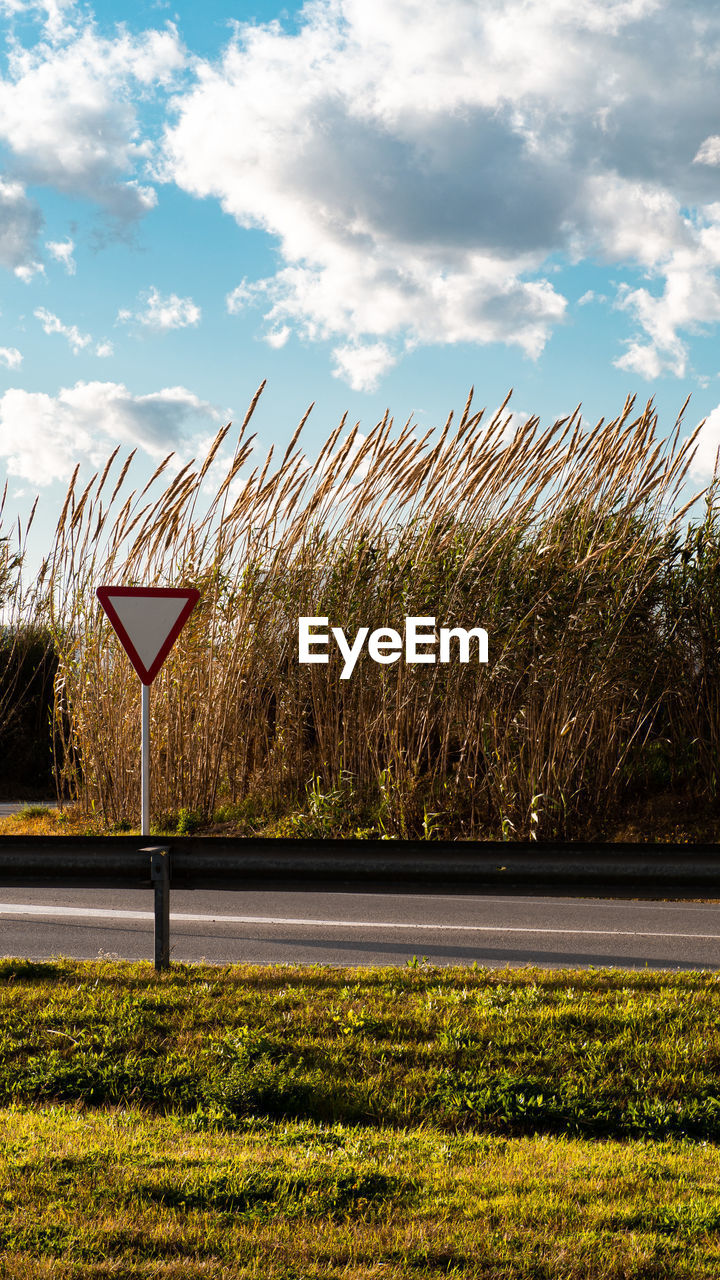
(148, 621)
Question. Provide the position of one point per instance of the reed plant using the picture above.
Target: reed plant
(566, 543)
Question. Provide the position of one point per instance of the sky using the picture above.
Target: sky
(370, 204)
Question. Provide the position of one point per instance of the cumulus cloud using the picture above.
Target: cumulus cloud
(20, 223)
(362, 366)
(425, 167)
(29, 270)
(163, 313)
(55, 15)
(238, 298)
(707, 446)
(62, 251)
(43, 437)
(278, 337)
(687, 303)
(78, 341)
(645, 360)
(69, 116)
(10, 357)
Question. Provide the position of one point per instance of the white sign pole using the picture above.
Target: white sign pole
(145, 763)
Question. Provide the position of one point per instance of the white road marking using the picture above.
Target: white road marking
(107, 913)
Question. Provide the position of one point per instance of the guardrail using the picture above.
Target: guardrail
(212, 862)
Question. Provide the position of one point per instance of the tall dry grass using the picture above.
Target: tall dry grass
(564, 543)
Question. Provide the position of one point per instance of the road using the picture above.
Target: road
(9, 807)
(273, 927)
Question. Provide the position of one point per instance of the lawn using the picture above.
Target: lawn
(316, 1122)
(119, 1192)
(592, 1053)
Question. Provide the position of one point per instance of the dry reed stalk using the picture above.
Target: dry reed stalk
(552, 539)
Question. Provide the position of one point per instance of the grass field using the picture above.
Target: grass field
(119, 1192)
(587, 1053)
(314, 1122)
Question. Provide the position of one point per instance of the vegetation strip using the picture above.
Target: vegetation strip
(566, 544)
(91, 1195)
(586, 1053)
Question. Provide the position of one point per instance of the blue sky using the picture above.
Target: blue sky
(368, 204)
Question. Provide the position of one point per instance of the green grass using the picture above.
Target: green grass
(119, 1193)
(289, 1123)
(591, 1053)
(30, 811)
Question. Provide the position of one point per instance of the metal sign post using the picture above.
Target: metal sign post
(148, 621)
(160, 876)
(145, 763)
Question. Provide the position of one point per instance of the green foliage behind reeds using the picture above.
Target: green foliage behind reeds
(567, 544)
(27, 668)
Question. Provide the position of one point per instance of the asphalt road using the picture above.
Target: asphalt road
(362, 929)
(8, 807)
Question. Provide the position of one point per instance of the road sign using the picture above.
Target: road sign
(148, 621)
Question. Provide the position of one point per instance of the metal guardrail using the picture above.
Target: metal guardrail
(211, 862)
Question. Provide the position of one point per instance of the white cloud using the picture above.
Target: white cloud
(363, 366)
(512, 421)
(591, 296)
(56, 24)
(278, 337)
(10, 357)
(20, 222)
(709, 152)
(645, 360)
(424, 167)
(237, 300)
(69, 116)
(78, 341)
(707, 445)
(29, 270)
(688, 303)
(42, 437)
(163, 313)
(62, 251)
(53, 324)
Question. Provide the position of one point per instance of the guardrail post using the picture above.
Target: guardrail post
(160, 876)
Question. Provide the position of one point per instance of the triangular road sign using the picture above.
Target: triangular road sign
(148, 621)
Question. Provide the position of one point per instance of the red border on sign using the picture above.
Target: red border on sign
(190, 595)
